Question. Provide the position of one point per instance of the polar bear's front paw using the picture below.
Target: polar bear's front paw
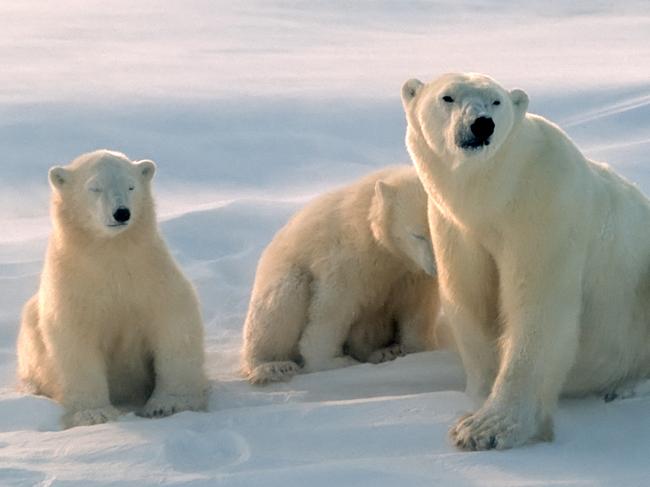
(489, 429)
(386, 354)
(161, 405)
(87, 417)
(273, 372)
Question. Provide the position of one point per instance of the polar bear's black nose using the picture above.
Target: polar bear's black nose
(122, 215)
(482, 128)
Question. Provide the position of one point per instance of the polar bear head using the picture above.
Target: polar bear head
(398, 219)
(461, 117)
(102, 192)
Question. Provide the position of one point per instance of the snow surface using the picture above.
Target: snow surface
(250, 109)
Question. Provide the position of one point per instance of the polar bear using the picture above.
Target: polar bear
(340, 276)
(114, 321)
(543, 257)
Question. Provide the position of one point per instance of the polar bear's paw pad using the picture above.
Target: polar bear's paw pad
(273, 372)
(489, 430)
(168, 404)
(386, 354)
(88, 417)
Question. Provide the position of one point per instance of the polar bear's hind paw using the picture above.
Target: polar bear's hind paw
(88, 417)
(168, 404)
(386, 354)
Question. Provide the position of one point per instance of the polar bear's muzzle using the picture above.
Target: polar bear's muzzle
(121, 216)
(477, 135)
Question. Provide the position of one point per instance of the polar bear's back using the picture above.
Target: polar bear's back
(333, 222)
(615, 319)
(612, 216)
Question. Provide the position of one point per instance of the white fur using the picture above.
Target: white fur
(339, 275)
(543, 258)
(114, 321)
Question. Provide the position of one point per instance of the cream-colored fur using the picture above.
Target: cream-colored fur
(114, 321)
(543, 258)
(342, 275)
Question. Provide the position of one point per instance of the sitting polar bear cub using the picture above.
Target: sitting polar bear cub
(114, 321)
(543, 256)
(341, 275)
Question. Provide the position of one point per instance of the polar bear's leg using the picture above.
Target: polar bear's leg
(332, 311)
(180, 382)
(416, 333)
(476, 346)
(416, 305)
(468, 295)
(276, 317)
(374, 330)
(32, 357)
(416, 323)
(539, 346)
(82, 378)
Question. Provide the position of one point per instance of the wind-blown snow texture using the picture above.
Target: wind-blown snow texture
(250, 108)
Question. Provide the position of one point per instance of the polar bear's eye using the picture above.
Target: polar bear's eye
(447, 99)
(131, 188)
(418, 237)
(496, 103)
(95, 190)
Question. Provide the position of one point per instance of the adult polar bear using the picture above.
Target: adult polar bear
(543, 256)
(114, 320)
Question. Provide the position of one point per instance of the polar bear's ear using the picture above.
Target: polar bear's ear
(384, 193)
(147, 169)
(379, 209)
(59, 176)
(410, 90)
(519, 102)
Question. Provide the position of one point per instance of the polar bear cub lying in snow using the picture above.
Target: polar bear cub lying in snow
(544, 256)
(343, 274)
(114, 320)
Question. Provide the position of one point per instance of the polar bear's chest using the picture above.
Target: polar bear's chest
(119, 296)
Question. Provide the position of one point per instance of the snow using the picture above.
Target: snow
(250, 109)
